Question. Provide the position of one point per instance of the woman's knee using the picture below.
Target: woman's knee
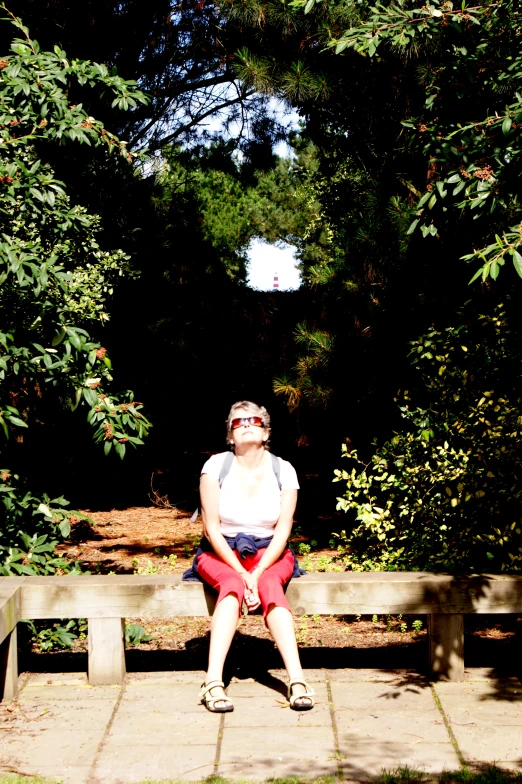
(232, 585)
(271, 594)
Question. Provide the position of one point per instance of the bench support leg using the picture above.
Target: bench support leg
(106, 650)
(9, 667)
(446, 641)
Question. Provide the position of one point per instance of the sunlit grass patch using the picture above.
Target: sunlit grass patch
(489, 775)
(15, 778)
(271, 780)
(399, 775)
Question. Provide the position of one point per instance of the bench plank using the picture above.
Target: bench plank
(105, 600)
(347, 593)
(115, 596)
(391, 593)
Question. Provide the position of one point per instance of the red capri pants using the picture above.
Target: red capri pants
(226, 580)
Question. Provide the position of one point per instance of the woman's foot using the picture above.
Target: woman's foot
(300, 695)
(213, 697)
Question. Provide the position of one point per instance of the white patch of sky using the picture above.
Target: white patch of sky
(276, 108)
(266, 260)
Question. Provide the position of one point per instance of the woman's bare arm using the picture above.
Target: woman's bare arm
(209, 492)
(282, 531)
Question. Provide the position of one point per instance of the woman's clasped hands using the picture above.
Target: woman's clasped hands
(252, 599)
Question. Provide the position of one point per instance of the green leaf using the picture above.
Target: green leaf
(77, 398)
(75, 340)
(44, 509)
(107, 446)
(477, 274)
(16, 421)
(90, 396)
(424, 199)
(65, 528)
(120, 449)
(517, 261)
(4, 426)
(458, 188)
(61, 501)
(59, 337)
(506, 126)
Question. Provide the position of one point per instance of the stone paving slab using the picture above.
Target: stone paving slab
(267, 751)
(376, 676)
(59, 746)
(137, 762)
(364, 761)
(485, 715)
(152, 727)
(390, 727)
(155, 728)
(381, 697)
(387, 723)
(63, 687)
(166, 697)
(254, 712)
(73, 715)
(258, 705)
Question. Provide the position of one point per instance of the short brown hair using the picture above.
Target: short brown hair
(251, 409)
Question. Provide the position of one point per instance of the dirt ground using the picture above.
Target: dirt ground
(164, 540)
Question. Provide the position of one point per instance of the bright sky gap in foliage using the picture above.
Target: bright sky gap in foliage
(267, 260)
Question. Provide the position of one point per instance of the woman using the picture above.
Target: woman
(253, 508)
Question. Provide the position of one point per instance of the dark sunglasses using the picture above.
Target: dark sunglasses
(252, 420)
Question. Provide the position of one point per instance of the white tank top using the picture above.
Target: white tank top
(256, 515)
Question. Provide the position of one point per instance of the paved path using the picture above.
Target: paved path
(153, 728)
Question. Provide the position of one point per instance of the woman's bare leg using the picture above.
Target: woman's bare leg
(281, 624)
(222, 630)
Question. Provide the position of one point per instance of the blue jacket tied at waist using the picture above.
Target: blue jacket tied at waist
(245, 544)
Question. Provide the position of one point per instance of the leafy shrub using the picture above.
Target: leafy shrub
(56, 636)
(24, 548)
(136, 634)
(55, 280)
(446, 492)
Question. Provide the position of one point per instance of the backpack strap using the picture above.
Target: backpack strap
(276, 466)
(227, 465)
(225, 468)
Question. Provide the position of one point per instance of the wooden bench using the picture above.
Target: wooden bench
(106, 600)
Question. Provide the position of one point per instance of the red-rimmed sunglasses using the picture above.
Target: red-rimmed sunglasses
(251, 420)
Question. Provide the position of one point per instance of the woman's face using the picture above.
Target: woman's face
(246, 434)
